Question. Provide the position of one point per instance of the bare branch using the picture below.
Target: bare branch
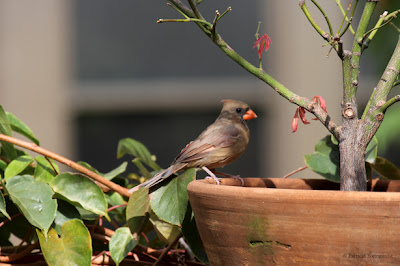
(33, 147)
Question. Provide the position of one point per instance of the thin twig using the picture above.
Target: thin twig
(33, 147)
(12, 218)
(165, 252)
(345, 13)
(184, 20)
(296, 171)
(52, 166)
(177, 9)
(348, 20)
(195, 10)
(223, 14)
(214, 25)
(19, 255)
(395, 27)
(389, 103)
(325, 16)
(327, 36)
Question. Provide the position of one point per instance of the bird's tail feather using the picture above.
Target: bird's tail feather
(161, 176)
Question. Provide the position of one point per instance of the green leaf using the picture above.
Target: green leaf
(192, 236)
(386, 168)
(5, 128)
(17, 166)
(137, 149)
(20, 127)
(137, 210)
(74, 247)
(142, 170)
(3, 206)
(80, 191)
(34, 200)
(115, 199)
(372, 151)
(65, 212)
(110, 175)
(3, 165)
(87, 215)
(44, 170)
(88, 166)
(165, 231)
(169, 202)
(121, 243)
(325, 159)
(116, 172)
(334, 140)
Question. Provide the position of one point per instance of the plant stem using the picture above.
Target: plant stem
(389, 103)
(195, 10)
(295, 171)
(321, 32)
(185, 20)
(353, 65)
(223, 14)
(325, 16)
(377, 102)
(348, 20)
(344, 13)
(33, 147)
(258, 46)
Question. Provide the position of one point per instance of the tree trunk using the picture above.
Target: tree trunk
(352, 150)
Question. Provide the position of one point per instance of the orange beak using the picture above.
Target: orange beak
(249, 115)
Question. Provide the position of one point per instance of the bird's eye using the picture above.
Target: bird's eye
(238, 110)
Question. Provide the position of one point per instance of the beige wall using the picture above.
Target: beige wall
(35, 68)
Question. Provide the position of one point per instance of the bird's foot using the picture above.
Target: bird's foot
(212, 175)
(237, 177)
(216, 179)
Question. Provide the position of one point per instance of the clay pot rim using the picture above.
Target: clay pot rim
(257, 188)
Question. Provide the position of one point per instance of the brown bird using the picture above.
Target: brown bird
(220, 144)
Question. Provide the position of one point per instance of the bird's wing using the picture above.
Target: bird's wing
(217, 136)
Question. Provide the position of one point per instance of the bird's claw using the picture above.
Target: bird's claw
(216, 179)
(237, 177)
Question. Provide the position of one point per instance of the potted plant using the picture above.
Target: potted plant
(299, 221)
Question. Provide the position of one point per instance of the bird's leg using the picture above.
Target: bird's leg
(212, 176)
(230, 176)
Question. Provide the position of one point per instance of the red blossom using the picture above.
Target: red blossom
(264, 40)
(301, 112)
(295, 121)
(321, 101)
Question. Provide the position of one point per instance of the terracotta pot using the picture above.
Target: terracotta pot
(297, 221)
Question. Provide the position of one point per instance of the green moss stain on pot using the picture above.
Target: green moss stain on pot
(262, 245)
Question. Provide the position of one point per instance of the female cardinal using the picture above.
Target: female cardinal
(220, 144)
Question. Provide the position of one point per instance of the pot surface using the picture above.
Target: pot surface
(297, 221)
